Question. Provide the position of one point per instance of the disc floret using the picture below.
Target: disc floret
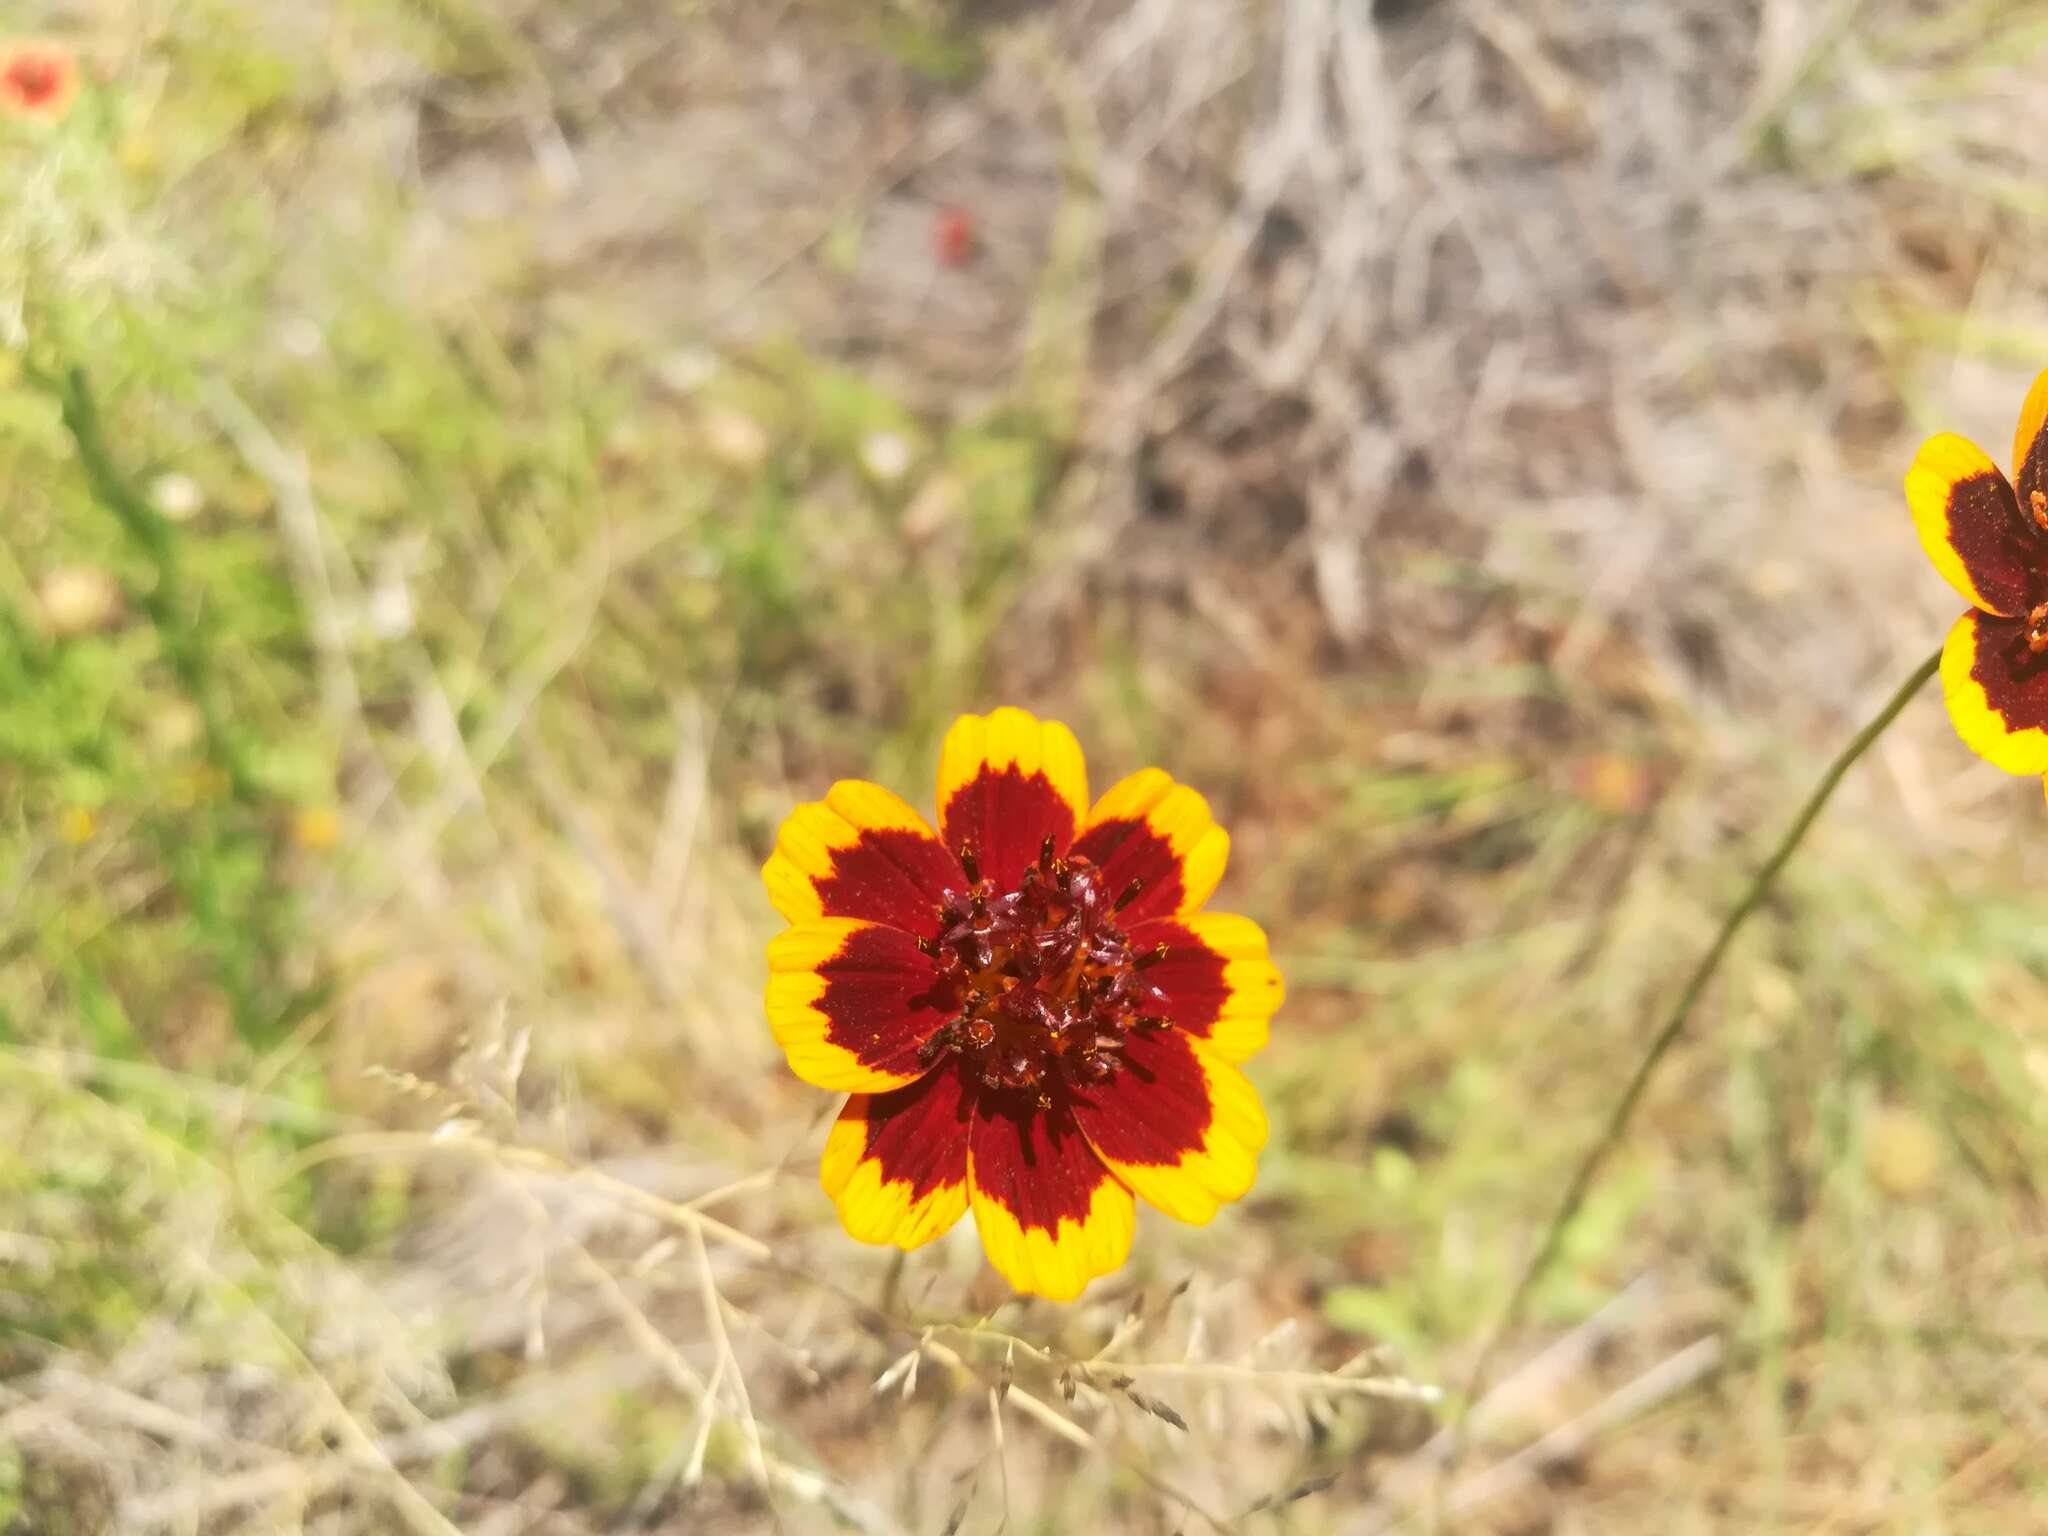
(1046, 985)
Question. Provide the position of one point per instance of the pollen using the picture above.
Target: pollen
(2037, 503)
(1045, 985)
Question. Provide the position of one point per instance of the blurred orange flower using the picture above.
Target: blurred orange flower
(316, 828)
(37, 80)
(1988, 536)
(1033, 1014)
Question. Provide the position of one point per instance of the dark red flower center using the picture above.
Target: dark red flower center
(34, 78)
(1046, 985)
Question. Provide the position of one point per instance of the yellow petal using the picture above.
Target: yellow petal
(895, 1164)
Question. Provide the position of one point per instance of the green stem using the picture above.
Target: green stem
(1681, 1012)
(185, 645)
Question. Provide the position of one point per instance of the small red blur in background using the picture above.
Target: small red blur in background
(955, 237)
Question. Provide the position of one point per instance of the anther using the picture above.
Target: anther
(2037, 503)
(970, 864)
(1130, 894)
(1152, 956)
(2037, 629)
(1045, 851)
(927, 946)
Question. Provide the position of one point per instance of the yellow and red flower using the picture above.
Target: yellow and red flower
(37, 80)
(1988, 536)
(1033, 1014)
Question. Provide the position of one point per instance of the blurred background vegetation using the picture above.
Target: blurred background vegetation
(467, 467)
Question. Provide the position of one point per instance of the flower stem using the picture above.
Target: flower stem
(1668, 1033)
(188, 648)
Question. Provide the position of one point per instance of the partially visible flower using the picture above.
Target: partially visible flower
(78, 599)
(37, 79)
(885, 455)
(316, 828)
(75, 825)
(734, 440)
(955, 236)
(1618, 785)
(1031, 1010)
(1989, 537)
(178, 497)
(1904, 1154)
(173, 726)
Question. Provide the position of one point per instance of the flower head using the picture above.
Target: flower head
(1033, 1014)
(1989, 537)
(37, 80)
